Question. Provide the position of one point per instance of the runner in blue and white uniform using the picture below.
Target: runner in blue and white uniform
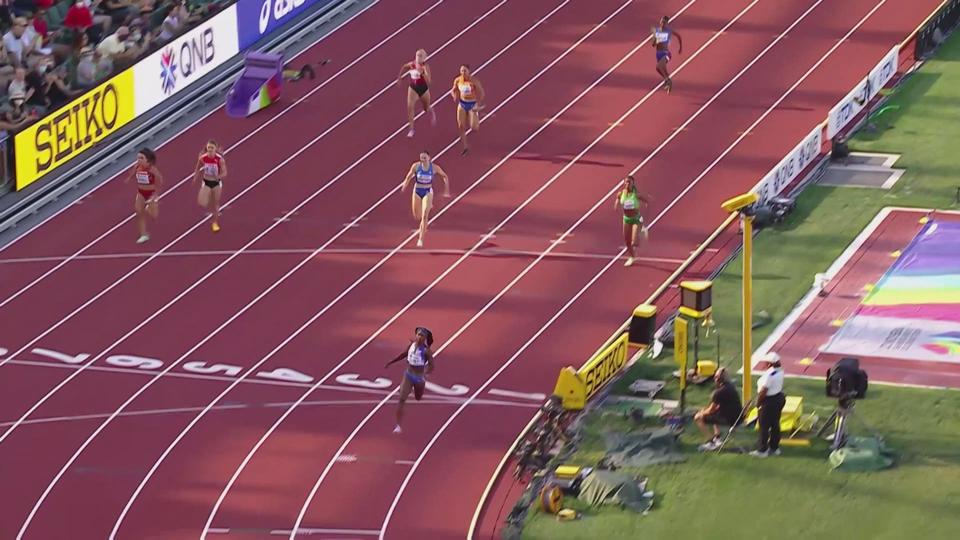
(422, 173)
(419, 364)
(661, 41)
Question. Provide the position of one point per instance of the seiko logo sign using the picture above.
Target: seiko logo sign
(276, 9)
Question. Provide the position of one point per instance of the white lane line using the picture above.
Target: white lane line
(533, 396)
(443, 428)
(337, 251)
(438, 400)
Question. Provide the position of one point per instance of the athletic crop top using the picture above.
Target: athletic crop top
(424, 177)
(144, 176)
(212, 166)
(662, 37)
(417, 355)
(629, 200)
(466, 89)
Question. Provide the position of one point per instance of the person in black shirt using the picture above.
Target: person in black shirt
(723, 410)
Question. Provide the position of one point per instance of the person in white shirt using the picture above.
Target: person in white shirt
(770, 400)
(17, 43)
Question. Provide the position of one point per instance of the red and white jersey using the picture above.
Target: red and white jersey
(211, 166)
(144, 176)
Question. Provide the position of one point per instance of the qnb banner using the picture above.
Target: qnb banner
(850, 106)
(69, 131)
(182, 62)
(257, 18)
(790, 166)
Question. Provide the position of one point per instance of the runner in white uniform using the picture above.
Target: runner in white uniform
(419, 364)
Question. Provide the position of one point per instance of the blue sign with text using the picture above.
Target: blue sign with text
(257, 18)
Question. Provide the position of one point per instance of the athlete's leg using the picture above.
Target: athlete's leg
(215, 206)
(411, 103)
(475, 120)
(427, 107)
(629, 240)
(153, 209)
(203, 198)
(426, 203)
(415, 205)
(405, 387)
(138, 207)
(462, 121)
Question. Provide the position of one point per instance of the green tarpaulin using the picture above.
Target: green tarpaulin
(601, 488)
(861, 454)
(642, 448)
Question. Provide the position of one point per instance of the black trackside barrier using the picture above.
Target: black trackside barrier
(945, 19)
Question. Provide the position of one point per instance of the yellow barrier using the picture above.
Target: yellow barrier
(72, 129)
(680, 348)
(576, 387)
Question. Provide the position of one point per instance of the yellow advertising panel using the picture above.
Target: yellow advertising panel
(602, 367)
(74, 128)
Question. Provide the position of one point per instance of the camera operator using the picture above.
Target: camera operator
(723, 410)
(770, 401)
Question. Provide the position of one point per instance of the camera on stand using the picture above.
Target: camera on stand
(848, 383)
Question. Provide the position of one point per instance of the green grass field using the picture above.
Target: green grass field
(796, 495)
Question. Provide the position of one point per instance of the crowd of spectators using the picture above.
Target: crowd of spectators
(53, 50)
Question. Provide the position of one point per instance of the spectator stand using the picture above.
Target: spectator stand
(115, 153)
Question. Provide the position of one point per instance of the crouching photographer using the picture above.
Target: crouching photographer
(770, 401)
(723, 410)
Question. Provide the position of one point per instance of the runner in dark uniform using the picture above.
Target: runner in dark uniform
(419, 74)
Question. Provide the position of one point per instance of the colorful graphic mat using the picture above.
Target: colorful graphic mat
(913, 312)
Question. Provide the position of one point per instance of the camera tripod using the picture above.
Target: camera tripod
(840, 418)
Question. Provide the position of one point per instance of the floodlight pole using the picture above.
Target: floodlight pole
(741, 205)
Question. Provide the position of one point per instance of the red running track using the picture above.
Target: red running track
(195, 350)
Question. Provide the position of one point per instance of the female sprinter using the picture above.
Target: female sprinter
(630, 200)
(212, 169)
(468, 95)
(149, 180)
(422, 172)
(661, 41)
(419, 364)
(419, 90)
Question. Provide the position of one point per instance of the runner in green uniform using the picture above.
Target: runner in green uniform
(630, 200)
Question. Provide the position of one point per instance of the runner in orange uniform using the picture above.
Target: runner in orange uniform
(468, 94)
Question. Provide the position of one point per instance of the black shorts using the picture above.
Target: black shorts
(717, 420)
(211, 183)
(420, 89)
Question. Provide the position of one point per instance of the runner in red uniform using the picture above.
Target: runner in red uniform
(419, 90)
(149, 181)
(212, 169)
